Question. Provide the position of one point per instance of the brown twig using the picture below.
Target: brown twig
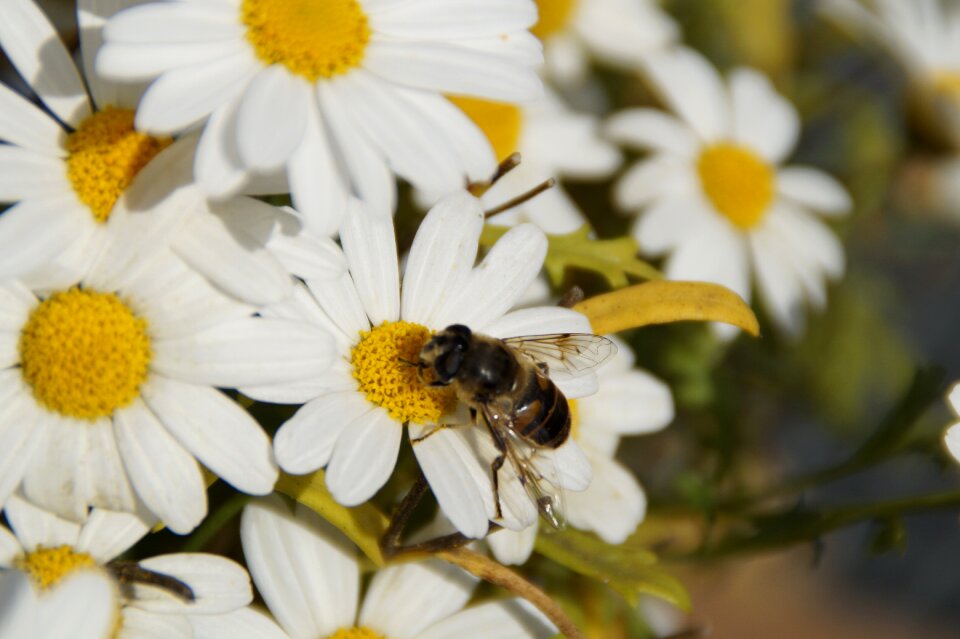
(523, 197)
(489, 570)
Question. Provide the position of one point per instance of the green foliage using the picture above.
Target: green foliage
(630, 571)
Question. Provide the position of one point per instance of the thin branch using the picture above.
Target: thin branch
(523, 197)
(489, 570)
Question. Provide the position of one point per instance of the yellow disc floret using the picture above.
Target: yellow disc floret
(555, 17)
(501, 123)
(84, 354)
(738, 183)
(105, 153)
(47, 566)
(381, 365)
(360, 632)
(312, 38)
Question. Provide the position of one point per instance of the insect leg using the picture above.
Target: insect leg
(129, 573)
(497, 464)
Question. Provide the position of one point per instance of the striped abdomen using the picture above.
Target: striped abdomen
(541, 413)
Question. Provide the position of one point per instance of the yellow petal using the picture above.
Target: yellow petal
(663, 302)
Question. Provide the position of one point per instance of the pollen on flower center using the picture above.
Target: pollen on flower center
(47, 566)
(105, 154)
(360, 632)
(739, 184)
(379, 366)
(84, 353)
(555, 15)
(312, 39)
(502, 123)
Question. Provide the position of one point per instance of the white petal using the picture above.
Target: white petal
(272, 116)
(495, 285)
(246, 352)
(441, 257)
(364, 457)
(84, 605)
(175, 23)
(219, 584)
(540, 320)
(458, 479)
(693, 89)
(565, 59)
(246, 623)
(513, 548)
(217, 431)
(27, 174)
(10, 548)
(762, 119)
(649, 129)
(451, 69)
(632, 402)
(433, 21)
(304, 568)
(18, 441)
(217, 166)
(141, 624)
(371, 249)
(613, 506)
(36, 527)
(51, 480)
(166, 477)
(339, 300)
(572, 467)
(653, 181)
(108, 534)
(405, 600)
(952, 440)
(34, 231)
(128, 62)
(814, 189)
(504, 619)
(33, 46)
(779, 285)
(91, 16)
(667, 223)
(306, 441)
(307, 255)
(16, 302)
(712, 252)
(107, 483)
(23, 124)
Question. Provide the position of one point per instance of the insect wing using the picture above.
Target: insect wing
(565, 355)
(539, 476)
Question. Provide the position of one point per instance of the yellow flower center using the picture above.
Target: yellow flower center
(554, 17)
(738, 183)
(378, 365)
(502, 123)
(84, 354)
(356, 633)
(574, 419)
(47, 566)
(104, 155)
(312, 38)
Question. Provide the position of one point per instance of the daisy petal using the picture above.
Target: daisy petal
(613, 506)
(141, 624)
(364, 457)
(952, 440)
(10, 548)
(305, 569)
(18, 441)
(654, 180)
(540, 320)
(649, 129)
(108, 534)
(245, 623)
(405, 600)
(371, 248)
(219, 585)
(815, 189)
(506, 619)
(217, 166)
(305, 442)
(223, 436)
(666, 223)
(495, 285)
(570, 464)
(35, 231)
(441, 257)
(166, 477)
(35, 526)
(630, 403)
(33, 46)
(430, 21)
(780, 287)
(51, 479)
(513, 548)
(693, 89)
(175, 23)
(271, 118)
(128, 62)
(762, 119)
(714, 253)
(108, 486)
(23, 124)
(27, 174)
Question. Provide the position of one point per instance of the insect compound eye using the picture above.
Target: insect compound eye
(448, 364)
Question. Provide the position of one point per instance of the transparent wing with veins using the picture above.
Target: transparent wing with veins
(565, 355)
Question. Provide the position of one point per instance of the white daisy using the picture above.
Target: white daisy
(617, 32)
(553, 141)
(81, 607)
(924, 35)
(76, 173)
(109, 388)
(712, 193)
(353, 417)
(337, 95)
(629, 402)
(309, 577)
(952, 434)
(49, 550)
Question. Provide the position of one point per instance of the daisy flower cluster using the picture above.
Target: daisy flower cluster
(231, 233)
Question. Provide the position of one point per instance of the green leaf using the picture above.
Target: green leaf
(630, 571)
(364, 524)
(615, 259)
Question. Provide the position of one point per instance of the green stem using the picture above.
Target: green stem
(215, 522)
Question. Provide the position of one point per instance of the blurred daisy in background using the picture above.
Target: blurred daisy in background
(952, 434)
(49, 550)
(924, 36)
(713, 197)
(337, 96)
(617, 32)
(78, 172)
(553, 141)
(309, 577)
(353, 417)
(110, 396)
(628, 402)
